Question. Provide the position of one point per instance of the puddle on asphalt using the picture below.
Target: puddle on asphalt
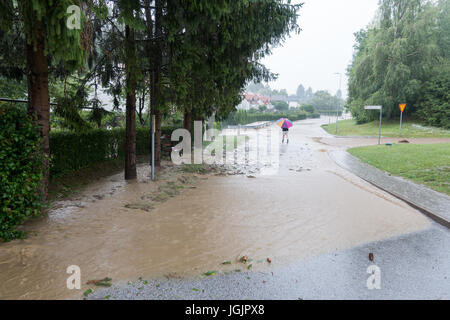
(125, 230)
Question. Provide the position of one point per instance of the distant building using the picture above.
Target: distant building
(254, 101)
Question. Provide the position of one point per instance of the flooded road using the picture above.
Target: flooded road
(188, 224)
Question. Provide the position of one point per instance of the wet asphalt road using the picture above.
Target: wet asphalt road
(413, 266)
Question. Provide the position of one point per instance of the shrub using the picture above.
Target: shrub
(20, 170)
(309, 108)
(435, 100)
(74, 150)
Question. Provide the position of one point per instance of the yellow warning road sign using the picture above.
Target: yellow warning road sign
(402, 107)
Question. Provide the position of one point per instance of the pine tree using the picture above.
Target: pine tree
(44, 25)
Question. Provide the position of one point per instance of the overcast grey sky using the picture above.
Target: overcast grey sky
(324, 47)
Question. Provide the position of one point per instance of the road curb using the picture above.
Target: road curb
(436, 205)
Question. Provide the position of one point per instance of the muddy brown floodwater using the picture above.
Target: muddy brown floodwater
(123, 231)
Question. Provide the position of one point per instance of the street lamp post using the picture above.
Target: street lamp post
(338, 105)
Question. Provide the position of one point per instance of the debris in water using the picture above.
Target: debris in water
(139, 206)
(106, 282)
(88, 292)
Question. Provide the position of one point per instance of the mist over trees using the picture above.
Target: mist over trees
(265, 90)
(305, 95)
(403, 57)
(324, 102)
(313, 102)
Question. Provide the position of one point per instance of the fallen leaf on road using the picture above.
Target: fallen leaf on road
(269, 260)
(244, 259)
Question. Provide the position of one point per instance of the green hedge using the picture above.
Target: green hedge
(20, 170)
(74, 150)
(244, 118)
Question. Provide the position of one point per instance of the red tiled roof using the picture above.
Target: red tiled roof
(254, 98)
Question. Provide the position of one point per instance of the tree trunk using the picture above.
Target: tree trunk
(158, 133)
(130, 142)
(39, 99)
(187, 121)
(150, 54)
(157, 76)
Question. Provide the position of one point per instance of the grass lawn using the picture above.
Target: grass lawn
(424, 164)
(388, 129)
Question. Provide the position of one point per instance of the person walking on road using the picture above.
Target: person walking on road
(285, 125)
(286, 135)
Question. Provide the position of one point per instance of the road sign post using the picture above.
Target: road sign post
(381, 118)
(402, 109)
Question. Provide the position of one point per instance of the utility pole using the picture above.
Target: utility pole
(153, 123)
(338, 105)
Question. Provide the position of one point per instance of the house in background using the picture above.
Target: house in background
(253, 101)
